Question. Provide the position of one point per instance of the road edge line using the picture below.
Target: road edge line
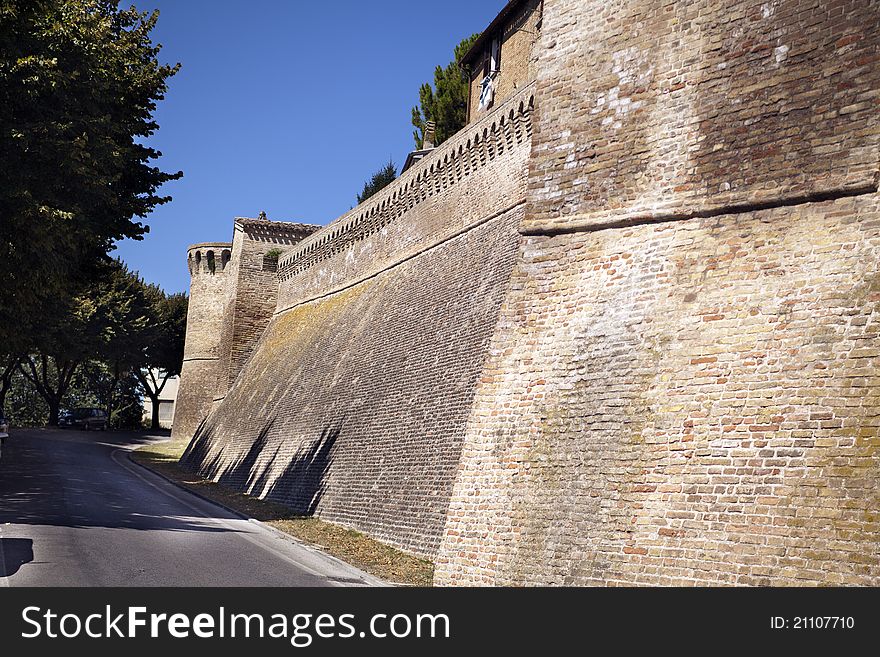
(376, 581)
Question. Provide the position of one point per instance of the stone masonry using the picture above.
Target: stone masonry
(233, 288)
(623, 329)
(683, 386)
(354, 402)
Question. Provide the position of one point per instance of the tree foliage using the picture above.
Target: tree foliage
(79, 82)
(446, 103)
(163, 353)
(117, 336)
(382, 178)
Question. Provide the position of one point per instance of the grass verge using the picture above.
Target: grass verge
(351, 546)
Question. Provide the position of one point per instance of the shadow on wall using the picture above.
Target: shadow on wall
(301, 483)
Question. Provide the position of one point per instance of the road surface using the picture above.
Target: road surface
(75, 511)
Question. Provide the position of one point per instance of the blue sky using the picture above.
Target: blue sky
(285, 106)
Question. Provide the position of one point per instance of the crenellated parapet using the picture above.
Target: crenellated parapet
(440, 196)
(453, 161)
(208, 258)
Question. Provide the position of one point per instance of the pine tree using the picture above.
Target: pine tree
(446, 102)
(382, 178)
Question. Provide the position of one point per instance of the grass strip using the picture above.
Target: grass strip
(351, 546)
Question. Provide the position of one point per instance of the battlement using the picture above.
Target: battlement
(208, 257)
(277, 232)
(472, 149)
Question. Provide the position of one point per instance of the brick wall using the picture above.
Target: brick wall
(682, 385)
(661, 107)
(638, 347)
(687, 402)
(205, 321)
(253, 295)
(354, 402)
(518, 37)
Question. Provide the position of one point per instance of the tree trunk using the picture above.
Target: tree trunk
(39, 378)
(152, 391)
(154, 420)
(6, 383)
(53, 405)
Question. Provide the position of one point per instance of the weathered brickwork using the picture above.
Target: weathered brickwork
(687, 402)
(684, 106)
(209, 266)
(354, 402)
(354, 405)
(256, 247)
(477, 174)
(637, 343)
(233, 292)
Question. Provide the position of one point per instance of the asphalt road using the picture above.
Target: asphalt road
(75, 511)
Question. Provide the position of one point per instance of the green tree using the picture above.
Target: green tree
(108, 321)
(163, 353)
(118, 325)
(382, 178)
(24, 406)
(79, 82)
(446, 103)
(8, 366)
(50, 375)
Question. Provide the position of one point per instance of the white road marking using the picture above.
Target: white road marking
(172, 493)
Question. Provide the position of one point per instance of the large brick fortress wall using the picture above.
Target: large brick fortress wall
(354, 403)
(683, 385)
(623, 329)
(693, 402)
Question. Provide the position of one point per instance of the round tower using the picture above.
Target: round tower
(209, 264)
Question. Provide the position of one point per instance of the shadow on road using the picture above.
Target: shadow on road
(58, 479)
(14, 553)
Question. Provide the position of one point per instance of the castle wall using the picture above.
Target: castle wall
(354, 402)
(637, 347)
(205, 320)
(682, 385)
(252, 295)
(679, 403)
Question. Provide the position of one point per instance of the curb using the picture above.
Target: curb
(373, 580)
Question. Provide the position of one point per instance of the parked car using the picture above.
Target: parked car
(84, 418)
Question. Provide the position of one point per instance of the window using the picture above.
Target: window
(491, 69)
